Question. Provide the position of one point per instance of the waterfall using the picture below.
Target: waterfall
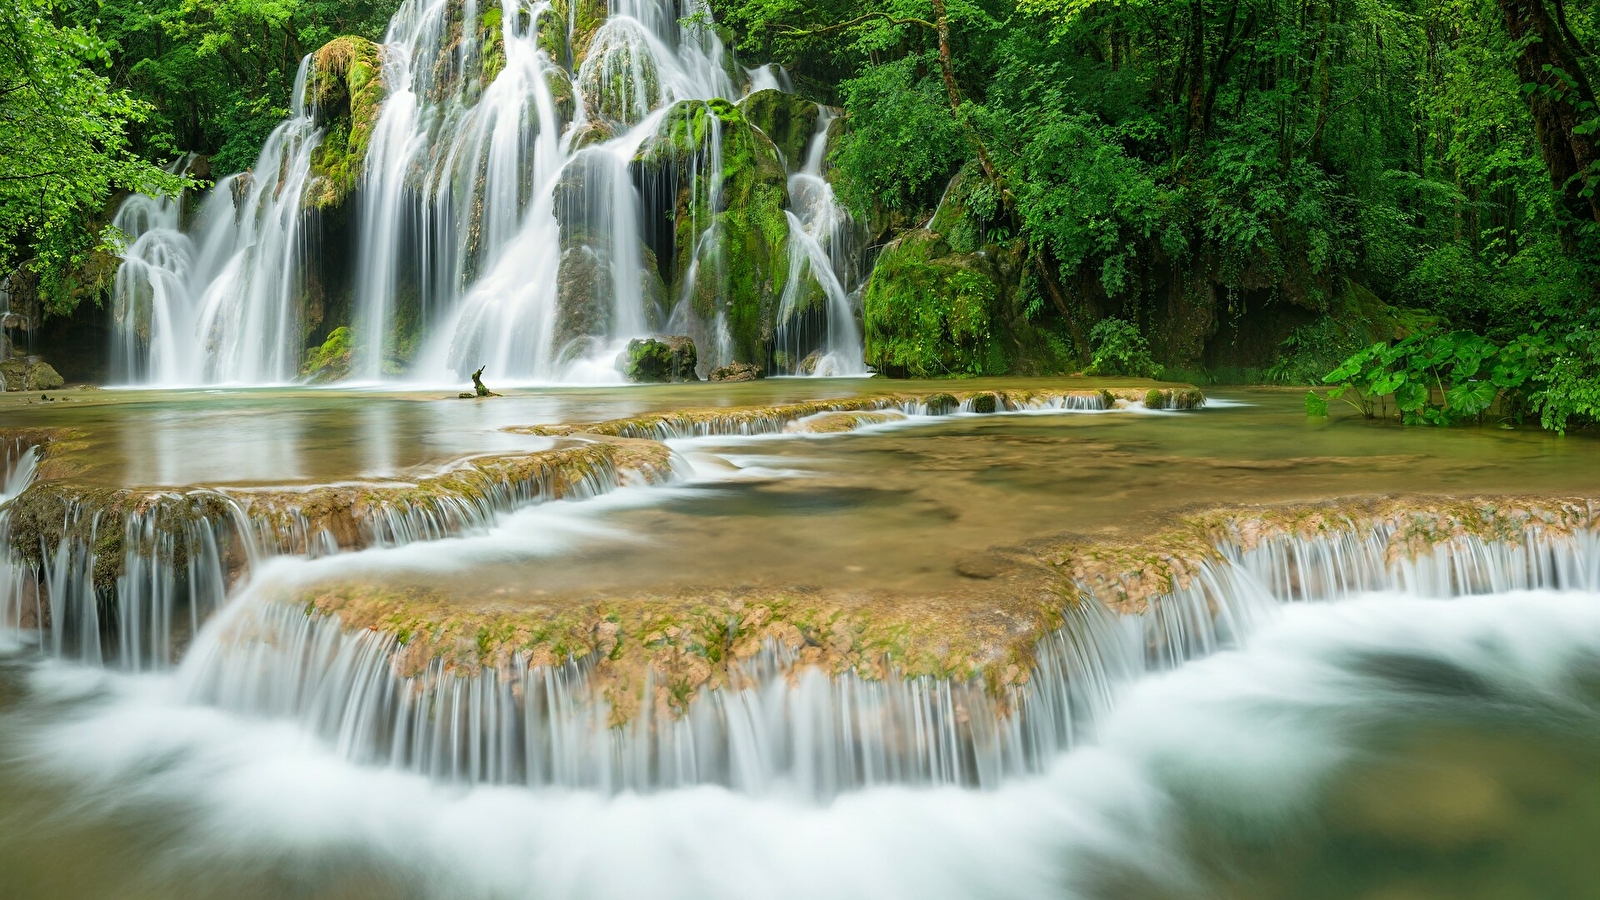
(781, 727)
(497, 218)
(824, 253)
(219, 304)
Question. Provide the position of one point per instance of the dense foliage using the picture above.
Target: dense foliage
(1317, 175)
(64, 147)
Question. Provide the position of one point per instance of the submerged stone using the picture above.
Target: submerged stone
(659, 360)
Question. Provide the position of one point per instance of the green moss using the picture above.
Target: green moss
(788, 120)
(331, 361)
(928, 313)
(348, 91)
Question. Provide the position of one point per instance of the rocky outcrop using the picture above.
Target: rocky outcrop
(788, 120)
(28, 373)
(728, 243)
(947, 300)
(347, 90)
(659, 360)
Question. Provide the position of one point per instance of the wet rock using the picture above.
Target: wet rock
(737, 371)
(1174, 398)
(348, 92)
(659, 360)
(940, 404)
(730, 229)
(789, 120)
(29, 374)
(331, 361)
(987, 402)
(619, 79)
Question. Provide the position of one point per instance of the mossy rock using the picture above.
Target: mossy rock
(347, 89)
(29, 375)
(619, 79)
(331, 361)
(738, 273)
(940, 404)
(559, 84)
(788, 120)
(585, 18)
(928, 312)
(1174, 398)
(659, 360)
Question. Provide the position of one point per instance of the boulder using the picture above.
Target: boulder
(737, 371)
(788, 120)
(29, 374)
(659, 360)
(331, 361)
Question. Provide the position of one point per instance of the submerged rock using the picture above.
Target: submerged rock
(659, 360)
(737, 371)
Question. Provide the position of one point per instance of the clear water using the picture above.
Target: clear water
(1383, 747)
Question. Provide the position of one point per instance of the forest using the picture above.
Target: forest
(1392, 200)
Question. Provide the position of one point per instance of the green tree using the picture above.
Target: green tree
(64, 148)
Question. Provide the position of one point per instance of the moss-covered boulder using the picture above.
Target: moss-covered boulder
(29, 374)
(948, 299)
(330, 361)
(730, 232)
(347, 89)
(788, 120)
(659, 360)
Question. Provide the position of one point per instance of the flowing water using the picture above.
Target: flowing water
(498, 221)
(1311, 719)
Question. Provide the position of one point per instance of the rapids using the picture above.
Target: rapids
(1351, 750)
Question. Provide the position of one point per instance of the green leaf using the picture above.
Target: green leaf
(1316, 407)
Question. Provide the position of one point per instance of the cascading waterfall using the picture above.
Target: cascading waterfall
(218, 304)
(778, 727)
(824, 254)
(496, 221)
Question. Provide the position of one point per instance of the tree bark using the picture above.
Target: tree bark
(1547, 62)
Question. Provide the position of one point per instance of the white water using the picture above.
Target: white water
(458, 239)
(1249, 738)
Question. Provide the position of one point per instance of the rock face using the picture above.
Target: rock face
(788, 120)
(29, 374)
(737, 371)
(721, 184)
(348, 90)
(946, 300)
(659, 360)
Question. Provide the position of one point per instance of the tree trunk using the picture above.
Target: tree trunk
(1547, 62)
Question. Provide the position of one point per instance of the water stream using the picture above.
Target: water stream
(1344, 715)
